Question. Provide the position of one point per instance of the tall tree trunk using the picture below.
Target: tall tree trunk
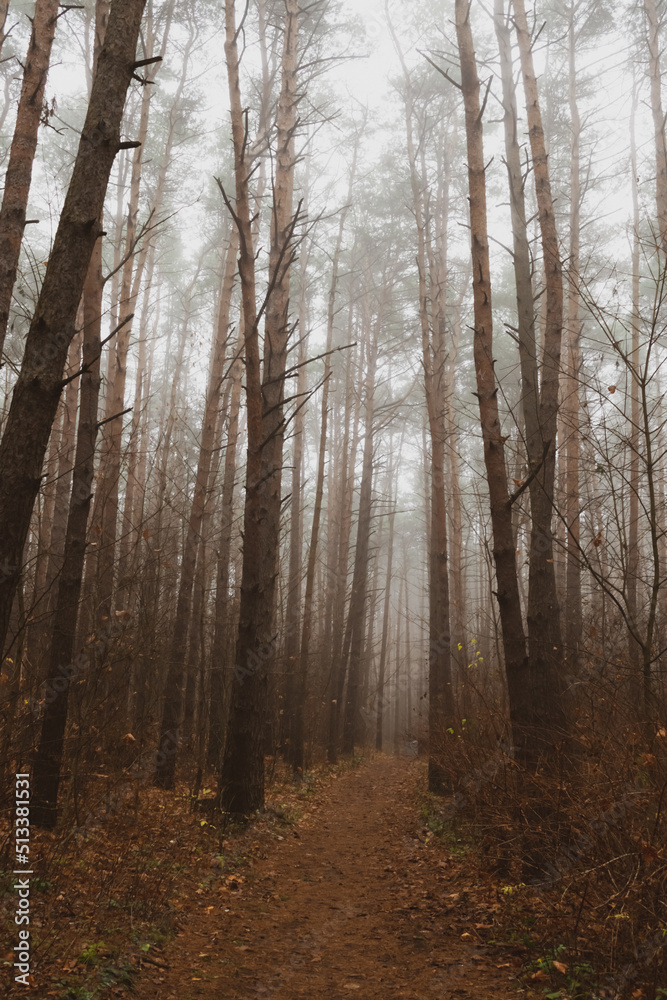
(171, 712)
(295, 571)
(64, 470)
(242, 787)
(111, 453)
(457, 572)
(340, 645)
(242, 774)
(434, 360)
(544, 632)
(514, 643)
(222, 622)
(385, 624)
(36, 630)
(655, 75)
(62, 668)
(573, 623)
(22, 152)
(298, 735)
(358, 599)
(37, 391)
(93, 296)
(520, 246)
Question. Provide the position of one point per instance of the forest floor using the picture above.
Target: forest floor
(344, 887)
(352, 901)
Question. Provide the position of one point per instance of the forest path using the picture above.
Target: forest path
(351, 903)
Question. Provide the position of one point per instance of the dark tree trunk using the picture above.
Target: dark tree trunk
(242, 775)
(39, 385)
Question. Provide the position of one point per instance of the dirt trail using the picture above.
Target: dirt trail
(351, 903)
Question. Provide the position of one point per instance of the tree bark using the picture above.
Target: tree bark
(62, 668)
(39, 385)
(544, 632)
(514, 643)
(242, 774)
(22, 152)
(571, 407)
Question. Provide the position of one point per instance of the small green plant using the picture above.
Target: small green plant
(91, 953)
(578, 977)
(77, 993)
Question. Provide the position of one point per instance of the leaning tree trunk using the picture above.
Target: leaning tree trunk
(61, 668)
(514, 642)
(39, 385)
(22, 152)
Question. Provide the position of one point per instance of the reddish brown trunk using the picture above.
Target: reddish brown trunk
(22, 152)
(514, 643)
